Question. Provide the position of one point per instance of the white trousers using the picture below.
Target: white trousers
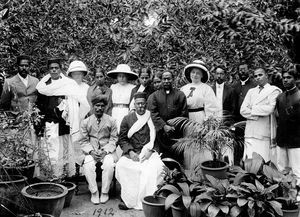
(260, 146)
(138, 179)
(289, 157)
(89, 170)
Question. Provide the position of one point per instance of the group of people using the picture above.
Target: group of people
(124, 128)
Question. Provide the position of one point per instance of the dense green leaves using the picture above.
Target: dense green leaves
(159, 34)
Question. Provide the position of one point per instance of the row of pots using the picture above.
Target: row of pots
(46, 197)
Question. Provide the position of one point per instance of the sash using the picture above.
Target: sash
(67, 87)
(142, 120)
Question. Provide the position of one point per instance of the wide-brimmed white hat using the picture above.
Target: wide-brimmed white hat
(77, 66)
(196, 64)
(123, 68)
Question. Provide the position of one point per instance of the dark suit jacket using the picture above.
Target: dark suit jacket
(240, 92)
(229, 99)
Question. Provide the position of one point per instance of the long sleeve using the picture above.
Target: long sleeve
(267, 109)
(210, 105)
(153, 107)
(84, 139)
(247, 107)
(111, 145)
(6, 97)
(123, 138)
(109, 102)
(183, 103)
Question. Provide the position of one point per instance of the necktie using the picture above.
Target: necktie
(260, 88)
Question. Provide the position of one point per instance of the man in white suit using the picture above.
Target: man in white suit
(258, 108)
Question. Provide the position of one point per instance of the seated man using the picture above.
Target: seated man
(139, 170)
(98, 142)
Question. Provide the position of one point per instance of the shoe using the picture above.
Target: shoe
(104, 198)
(95, 198)
(122, 206)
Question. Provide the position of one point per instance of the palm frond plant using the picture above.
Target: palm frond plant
(214, 136)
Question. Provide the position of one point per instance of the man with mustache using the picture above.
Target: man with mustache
(20, 90)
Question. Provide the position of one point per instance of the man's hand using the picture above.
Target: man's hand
(98, 155)
(147, 155)
(133, 156)
(168, 129)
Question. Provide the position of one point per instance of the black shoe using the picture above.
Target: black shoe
(122, 206)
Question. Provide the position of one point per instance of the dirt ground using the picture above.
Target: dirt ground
(81, 206)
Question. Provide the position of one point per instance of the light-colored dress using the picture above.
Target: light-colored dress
(200, 96)
(120, 99)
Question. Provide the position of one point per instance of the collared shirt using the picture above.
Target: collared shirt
(244, 82)
(219, 95)
(24, 80)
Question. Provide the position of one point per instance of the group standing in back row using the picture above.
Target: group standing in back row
(125, 126)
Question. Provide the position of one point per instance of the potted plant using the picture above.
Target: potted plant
(214, 136)
(46, 197)
(272, 190)
(287, 194)
(154, 205)
(218, 198)
(17, 142)
(182, 197)
(46, 174)
(11, 201)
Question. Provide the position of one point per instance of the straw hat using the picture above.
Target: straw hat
(196, 64)
(123, 68)
(77, 66)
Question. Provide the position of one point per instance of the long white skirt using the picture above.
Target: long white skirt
(260, 146)
(137, 179)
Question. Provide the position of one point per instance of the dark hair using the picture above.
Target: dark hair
(98, 69)
(292, 72)
(145, 70)
(263, 69)
(23, 57)
(99, 98)
(158, 74)
(166, 72)
(220, 67)
(54, 60)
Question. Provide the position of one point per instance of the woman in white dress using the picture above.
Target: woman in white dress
(201, 102)
(201, 99)
(121, 91)
(77, 71)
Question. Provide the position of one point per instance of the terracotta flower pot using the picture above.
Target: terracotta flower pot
(10, 197)
(291, 213)
(179, 211)
(154, 206)
(26, 171)
(71, 190)
(46, 197)
(217, 169)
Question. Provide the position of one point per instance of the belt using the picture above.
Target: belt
(196, 109)
(122, 105)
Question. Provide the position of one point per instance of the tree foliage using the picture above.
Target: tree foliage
(156, 33)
